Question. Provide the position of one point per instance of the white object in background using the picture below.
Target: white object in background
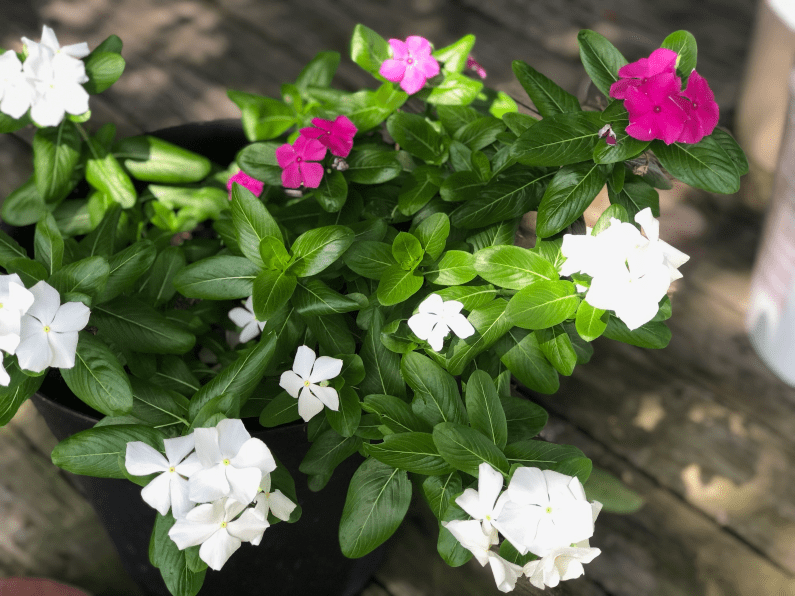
(771, 311)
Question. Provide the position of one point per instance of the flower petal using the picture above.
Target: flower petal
(254, 454)
(310, 149)
(64, 347)
(209, 484)
(33, 352)
(489, 486)
(327, 395)
(308, 405)
(312, 173)
(178, 448)
(528, 487)
(392, 70)
(216, 550)
(471, 537)
(240, 316)
(398, 48)
(46, 302)
(285, 155)
(291, 176)
(248, 527)
(325, 368)
(206, 440)
(141, 459)
(460, 326)
(291, 383)
(190, 465)
(5, 378)
(243, 483)
(433, 304)
(505, 572)
(422, 324)
(186, 533)
(157, 493)
(232, 435)
(180, 503)
(470, 502)
(304, 361)
(280, 505)
(413, 80)
(437, 335)
(418, 46)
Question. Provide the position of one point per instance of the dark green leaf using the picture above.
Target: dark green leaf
(263, 118)
(102, 69)
(327, 452)
(48, 244)
(684, 44)
(600, 58)
(410, 451)
(559, 140)
(465, 448)
(56, 153)
(395, 413)
(332, 192)
(436, 395)
(548, 98)
(397, 285)
(368, 50)
(543, 304)
(369, 259)
(556, 346)
(705, 164)
(271, 291)
(491, 323)
(217, 278)
(650, 335)
(439, 490)
(525, 419)
(484, 408)
(372, 167)
(282, 409)
(316, 249)
(140, 327)
(567, 197)
(523, 357)
(152, 159)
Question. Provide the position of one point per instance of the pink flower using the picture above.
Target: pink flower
(702, 110)
(654, 109)
(411, 63)
(297, 165)
(337, 135)
(247, 181)
(637, 74)
(606, 133)
(475, 65)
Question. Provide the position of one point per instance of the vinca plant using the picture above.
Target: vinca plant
(355, 271)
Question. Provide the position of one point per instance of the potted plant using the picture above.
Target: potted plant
(351, 279)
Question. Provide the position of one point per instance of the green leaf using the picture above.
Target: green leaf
(24, 206)
(503, 232)
(484, 408)
(410, 451)
(56, 153)
(395, 414)
(439, 490)
(613, 494)
(415, 134)
(704, 165)
(378, 499)
(320, 70)
(452, 551)
(612, 212)
(397, 285)
(518, 123)
(465, 448)
(282, 409)
(508, 197)
(102, 69)
(650, 335)
(730, 146)
(524, 418)
(480, 133)
(160, 283)
(174, 564)
(591, 322)
(509, 553)
(461, 186)
(258, 160)
(382, 367)
(491, 322)
(9, 124)
(346, 419)
(419, 188)
(455, 267)
(567, 197)
(433, 233)
(543, 304)
(524, 358)
(102, 240)
(559, 140)
(617, 177)
(332, 192)
(684, 44)
(28, 270)
(239, 378)
(513, 267)
(454, 57)
(222, 277)
(472, 297)
(556, 346)
(140, 328)
(327, 452)
(314, 298)
(48, 244)
(600, 58)
(368, 50)
(316, 249)
(151, 159)
(455, 90)
(252, 223)
(635, 195)
(95, 452)
(104, 173)
(158, 406)
(543, 455)
(625, 146)
(9, 249)
(407, 251)
(263, 118)
(436, 396)
(271, 291)
(369, 259)
(548, 97)
(19, 388)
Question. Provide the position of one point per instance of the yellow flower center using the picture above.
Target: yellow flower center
(171, 469)
(549, 509)
(306, 383)
(226, 462)
(223, 524)
(46, 329)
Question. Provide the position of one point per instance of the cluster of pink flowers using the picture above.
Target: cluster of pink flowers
(658, 107)
(299, 161)
(411, 63)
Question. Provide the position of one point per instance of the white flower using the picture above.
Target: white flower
(233, 463)
(559, 565)
(15, 300)
(214, 527)
(48, 335)
(436, 318)
(545, 510)
(245, 318)
(505, 572)
(169, 489)
(480, 504)
(302, 382)
(672, 258)
(57, 75)
(274, 502)
(16, 90)
(470, 534)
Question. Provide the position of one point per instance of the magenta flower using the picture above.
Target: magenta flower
(607, 133)
(411, 63)
(475, 65)
(655, 110)
(701, 108)
(297, 163)
(247, 181)
(637, 74)
(337, 135)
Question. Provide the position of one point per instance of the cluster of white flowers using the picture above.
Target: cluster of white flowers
(435, 319)
(49, 83)
(36, 327)
(631, 272)
(220, 494)
(308, 381)
(541, 512)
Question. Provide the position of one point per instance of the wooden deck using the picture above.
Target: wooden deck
(702, 430)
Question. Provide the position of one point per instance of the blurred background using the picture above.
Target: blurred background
(702, 430)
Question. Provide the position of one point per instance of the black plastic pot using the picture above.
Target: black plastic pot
(295, 559)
